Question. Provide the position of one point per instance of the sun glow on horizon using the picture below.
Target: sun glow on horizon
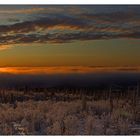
(65, 69)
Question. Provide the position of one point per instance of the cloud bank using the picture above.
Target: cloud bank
(73, 25)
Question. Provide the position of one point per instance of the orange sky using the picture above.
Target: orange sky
(65, 70)
(42, 36)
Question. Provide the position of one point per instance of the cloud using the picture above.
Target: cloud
(33, 9)
(5, 47)
(119, 17)
(68, 27)
(44, 23)
(23, 11)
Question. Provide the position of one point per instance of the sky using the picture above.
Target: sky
(60, 36)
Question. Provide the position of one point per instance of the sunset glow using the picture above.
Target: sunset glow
(65, 70)
(69, 70)
(65, 36)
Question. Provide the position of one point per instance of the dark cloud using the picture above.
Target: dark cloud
(85, 26)
(48, 22)
(119, 17)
